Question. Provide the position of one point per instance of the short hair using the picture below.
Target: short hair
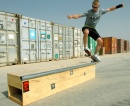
(96, 2)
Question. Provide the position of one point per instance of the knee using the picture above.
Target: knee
(86, 32)
(99, 42)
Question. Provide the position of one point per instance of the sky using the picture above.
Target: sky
(112, 24)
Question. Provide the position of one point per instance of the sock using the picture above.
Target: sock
(86, 48)
(96, 55)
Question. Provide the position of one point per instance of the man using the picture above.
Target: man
(92, 18)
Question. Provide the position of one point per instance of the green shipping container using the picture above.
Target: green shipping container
(92, 44)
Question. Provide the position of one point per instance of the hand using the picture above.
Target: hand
(122, 5)
(69, 16)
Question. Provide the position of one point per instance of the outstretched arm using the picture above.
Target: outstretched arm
(74, 16)
(115, 7)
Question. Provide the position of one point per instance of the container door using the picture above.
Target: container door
(3, 48)
(49, 41)
(45, 41)
(29, 40)
(56, 42)
(8, 39)
(77, 42)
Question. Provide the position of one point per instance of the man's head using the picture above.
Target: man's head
(95, 5)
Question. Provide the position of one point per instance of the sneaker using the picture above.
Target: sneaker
(88, 52)
(97, 58)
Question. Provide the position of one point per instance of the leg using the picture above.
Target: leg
(99, 45)
(85, 32)
(86, 49)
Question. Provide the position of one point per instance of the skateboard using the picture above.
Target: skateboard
(92, 57)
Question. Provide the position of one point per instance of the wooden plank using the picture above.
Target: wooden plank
(15, 94)
(14, 81)
(16, 100)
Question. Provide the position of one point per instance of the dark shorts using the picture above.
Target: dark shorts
(92, 33)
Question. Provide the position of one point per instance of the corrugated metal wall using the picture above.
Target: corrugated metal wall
(8, 39)
(77, 42)
(126, 46)
(92, 44)
(69, 42)
(120, 46)
(27, 40)
(58, 42)
(110, 44)
(44, 41)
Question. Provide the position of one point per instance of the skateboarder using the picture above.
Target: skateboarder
(92, 18)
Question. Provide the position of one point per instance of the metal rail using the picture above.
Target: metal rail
(36, 75)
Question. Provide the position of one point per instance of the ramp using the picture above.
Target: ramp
(25, 88)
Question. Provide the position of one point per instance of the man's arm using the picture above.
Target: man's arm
(115, 7)
(74, 16)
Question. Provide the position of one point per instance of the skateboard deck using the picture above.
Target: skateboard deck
(90, 54)
(92, 57)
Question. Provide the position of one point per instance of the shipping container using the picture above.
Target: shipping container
(69, 42)
(28, 39)
(8, 39)
(120, 46)
(102, 51)
(77, 42)
(58, 41)
(110, 44)
(44, 40)
(92, 44)
(35, 40)
(126, 46)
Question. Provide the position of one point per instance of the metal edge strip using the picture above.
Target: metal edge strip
(36, 75)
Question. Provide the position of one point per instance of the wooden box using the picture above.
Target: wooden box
(25, 88)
